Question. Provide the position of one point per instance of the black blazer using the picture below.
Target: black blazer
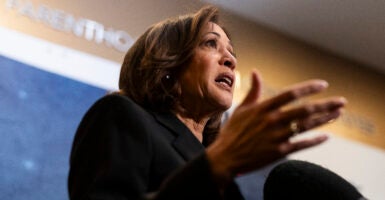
(121, 151)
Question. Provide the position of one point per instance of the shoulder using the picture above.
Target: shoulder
(115, 101)
(113, 116)
(116, 105)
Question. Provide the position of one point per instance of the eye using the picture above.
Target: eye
(211, 43)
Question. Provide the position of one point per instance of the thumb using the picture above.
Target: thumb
(255, 90)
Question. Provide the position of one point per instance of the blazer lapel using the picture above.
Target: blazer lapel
(185, 142)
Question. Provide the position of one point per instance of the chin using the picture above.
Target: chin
(225, 104)
(222, 101)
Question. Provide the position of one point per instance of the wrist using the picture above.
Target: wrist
(220, 166)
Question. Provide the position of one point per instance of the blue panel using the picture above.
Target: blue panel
(39, 114)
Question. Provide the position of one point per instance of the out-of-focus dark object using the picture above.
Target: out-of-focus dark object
(299, 180)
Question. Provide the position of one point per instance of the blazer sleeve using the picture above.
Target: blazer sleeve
(111, 158)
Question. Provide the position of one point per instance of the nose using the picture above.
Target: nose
(229, 60)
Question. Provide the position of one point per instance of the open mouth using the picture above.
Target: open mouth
(225, 79)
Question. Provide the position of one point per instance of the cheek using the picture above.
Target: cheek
(208, 67)
(202, 70)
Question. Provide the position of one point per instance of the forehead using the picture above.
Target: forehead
(215, 28)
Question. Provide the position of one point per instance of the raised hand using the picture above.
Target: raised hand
(258, 133)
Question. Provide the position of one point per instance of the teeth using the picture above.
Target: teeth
(226, 80)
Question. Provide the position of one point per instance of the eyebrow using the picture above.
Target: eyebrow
(217, 34)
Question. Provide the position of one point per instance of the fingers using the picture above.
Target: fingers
(294, 92)
(305, 117)
(263, 130)
(291, 147)
(255, 90)
(286, 132)
(318, 121)
(313, 109)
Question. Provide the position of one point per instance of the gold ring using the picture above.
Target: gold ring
(294, 128)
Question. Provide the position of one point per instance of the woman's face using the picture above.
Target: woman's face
(208, 82)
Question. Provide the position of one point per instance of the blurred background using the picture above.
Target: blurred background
(58, 57)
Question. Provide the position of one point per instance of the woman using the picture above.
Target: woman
(148, 140)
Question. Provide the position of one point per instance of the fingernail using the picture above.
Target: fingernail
(323, 137)
(343, 100)
(324, 84)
